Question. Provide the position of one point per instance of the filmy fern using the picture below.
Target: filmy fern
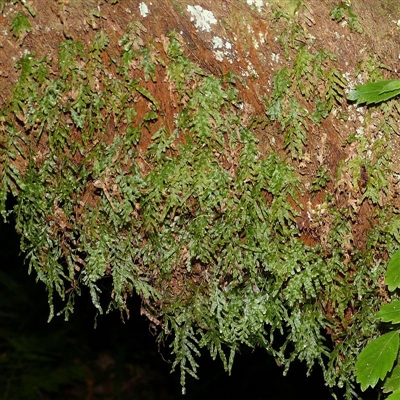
(198, 223)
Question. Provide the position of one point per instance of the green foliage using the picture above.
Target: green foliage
(366, 172)
(344, 12)
(194, 220)
(20, 24)
(392, 383)
(393, 272)
(9, 150)
(375, 92)
(378, 358)
(390, 312)
(321, 179)
(134, 50)
(293, 89)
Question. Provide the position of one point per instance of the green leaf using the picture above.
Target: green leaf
(393, 272)
(377, 359)
(390, 312)
(20, 24)
(392, 382)
(394, 396)
(375, 92)
(144, 92)
(391, 85)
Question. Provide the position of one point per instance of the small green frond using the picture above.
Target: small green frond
(20, 24)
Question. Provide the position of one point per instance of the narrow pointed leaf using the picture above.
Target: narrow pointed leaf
(390, 312)
(377, 359)
(144, 92)
(393, 272)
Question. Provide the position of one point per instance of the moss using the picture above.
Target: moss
(193, 218)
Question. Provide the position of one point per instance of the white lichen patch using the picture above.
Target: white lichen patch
(219, 55)
(221, 48)
(144, 9)
(251, 71)
(203, 19)
(217, 42)
(275, 57)
(256, 3)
